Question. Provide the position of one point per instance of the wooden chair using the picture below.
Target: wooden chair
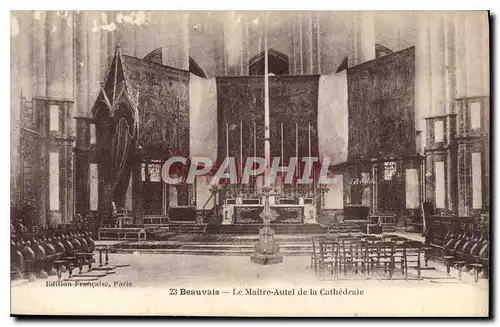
(372, 256)
(315, 252)
(349, 257)
(413, 253)
(386, 259)
(328, 255)
(358, 252)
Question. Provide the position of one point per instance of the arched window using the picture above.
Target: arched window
(278, 63)
(154, 56)
(381, 51)
(343, 65)
(194, 68)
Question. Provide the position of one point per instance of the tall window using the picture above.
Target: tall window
(93, 137)
(438, 131)
(381, 51)
(151, 172)
(54, 117)
(475, 115)
(389, 170)
(477, 196)
(412, 189)
(94, 187)
(157, 56)
(278, 63)
(54, 180)
(439, 184)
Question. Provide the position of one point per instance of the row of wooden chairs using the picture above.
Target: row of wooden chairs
(49, 251)
(347, 255)
(461, 242)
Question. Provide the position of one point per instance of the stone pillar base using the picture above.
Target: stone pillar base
(266, 259)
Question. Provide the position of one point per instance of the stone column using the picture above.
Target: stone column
(150, 36)
(55, 56)
(374, 207)
(40, 57)
(485, 48)
(16, 83)
(318, 43)
(423, 90)
(107, 51)
(309, 45)
(234, 49)
(246, 66)
(60, 55)
(81, 64)
(438, 74)
(460, 53)
(300, 46)
(25, 58)
(94, 57)
(450, 62)
(69, 56)
(450, 80)
(39, 54)
(474, 54)
(363, 38)
(175, 44)
(126, 35)
(112, 36)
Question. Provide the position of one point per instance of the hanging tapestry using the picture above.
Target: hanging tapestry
(293, 107)
(163, 102)
(240, 117)
(381, 106)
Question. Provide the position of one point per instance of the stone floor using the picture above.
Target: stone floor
(148, 285)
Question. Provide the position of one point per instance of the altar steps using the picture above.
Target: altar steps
(223, 244)
(292, 229)
(164, 232)
(246, 248)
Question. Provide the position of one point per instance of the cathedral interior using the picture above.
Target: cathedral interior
(399, 102)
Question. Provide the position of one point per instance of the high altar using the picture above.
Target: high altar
(147, 112)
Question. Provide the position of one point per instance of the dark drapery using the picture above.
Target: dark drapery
(117, 137)
(381, 97)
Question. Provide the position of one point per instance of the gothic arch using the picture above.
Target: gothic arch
(381, 50)
(194, 68)
(277, 61)
(154, 56)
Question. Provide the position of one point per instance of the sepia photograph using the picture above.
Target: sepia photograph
(250, 163)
